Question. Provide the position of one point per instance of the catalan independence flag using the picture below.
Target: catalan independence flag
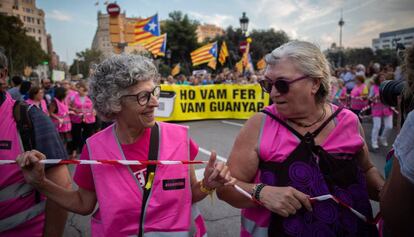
(224, 53)
(204, 54)
(176, 70)
(146, 29)
(156, 45)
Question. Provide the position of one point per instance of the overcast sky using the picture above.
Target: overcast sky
(72, 23)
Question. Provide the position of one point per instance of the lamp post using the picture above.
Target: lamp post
(244, 23)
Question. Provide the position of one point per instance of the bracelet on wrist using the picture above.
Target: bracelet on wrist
(205, 189)
(256, 191)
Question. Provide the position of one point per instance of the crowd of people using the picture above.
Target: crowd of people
(65, 102)
(295, 169)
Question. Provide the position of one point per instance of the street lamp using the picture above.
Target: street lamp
(244, 23)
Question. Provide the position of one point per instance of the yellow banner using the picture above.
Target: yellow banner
(179, 103)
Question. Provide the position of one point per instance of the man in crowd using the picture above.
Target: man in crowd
(15, 90)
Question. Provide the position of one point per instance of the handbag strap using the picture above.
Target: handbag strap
(152, 155)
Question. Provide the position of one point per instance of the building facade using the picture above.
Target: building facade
(389, 40)
(114, 31)
(32, 17)
(101, 40)
(208, 31)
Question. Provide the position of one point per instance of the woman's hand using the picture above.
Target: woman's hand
(216, 173)
(33, 171)
(284, 201)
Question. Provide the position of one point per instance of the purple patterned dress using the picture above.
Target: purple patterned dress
(313, 171)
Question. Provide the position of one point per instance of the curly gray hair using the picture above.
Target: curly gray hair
(308, 59)
(113, 77)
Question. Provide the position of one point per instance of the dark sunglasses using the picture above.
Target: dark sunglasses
(281, 85)
(143, 97)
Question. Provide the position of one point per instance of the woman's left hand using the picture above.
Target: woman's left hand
(217, 173)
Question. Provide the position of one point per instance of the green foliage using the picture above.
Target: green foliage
(387, 56)
(85, 61)
(20, 49)
(356, 56)
(164, 70)
(365, 56)
(265, 41)
(181, 37)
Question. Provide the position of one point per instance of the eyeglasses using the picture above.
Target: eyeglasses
(143, 97)
(281, 85)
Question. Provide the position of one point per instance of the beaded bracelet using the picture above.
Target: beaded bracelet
(256, 191)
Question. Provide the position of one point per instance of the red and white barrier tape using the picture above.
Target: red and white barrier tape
(323, 198)
(112, 162)
(182, 162)
(357, 213)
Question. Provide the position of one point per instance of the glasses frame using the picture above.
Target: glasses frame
(147, 95)
(281, 85)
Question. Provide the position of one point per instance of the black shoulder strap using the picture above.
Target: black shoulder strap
(26, 131)
(152, 156)
(24, 125)
(284, 124)
(323, 125)
(300, 136)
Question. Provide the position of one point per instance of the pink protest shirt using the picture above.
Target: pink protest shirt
(135, 151)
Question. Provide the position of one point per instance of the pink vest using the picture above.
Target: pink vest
(19, 213)
(70, 95)
(343, 98)
(276, 143)
(43, 105)
(168, 211)
(379, 109)
(357, 103)
(84, 111)
(63, 113)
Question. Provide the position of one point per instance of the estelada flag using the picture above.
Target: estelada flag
(156, 45)
(146, 29)
(212, 64)
(176, 70)
(204, 54)
(224, 53)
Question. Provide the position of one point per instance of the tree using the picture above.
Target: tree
(21, 50)
(181, 38)
(264, 41)
(354, 56)
(387, 56)
(84, 62)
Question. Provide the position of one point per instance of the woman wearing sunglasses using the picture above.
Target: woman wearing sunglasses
(299, 148)
(136, 200)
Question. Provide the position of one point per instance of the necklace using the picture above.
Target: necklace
(310, 125)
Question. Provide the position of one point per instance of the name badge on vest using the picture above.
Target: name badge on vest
(5, 145)
(173, 184)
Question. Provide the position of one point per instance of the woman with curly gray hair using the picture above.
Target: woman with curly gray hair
(143, 199)
(301, 147)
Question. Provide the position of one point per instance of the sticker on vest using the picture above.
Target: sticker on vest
(173, 184)
(140, 175)
(5, 145)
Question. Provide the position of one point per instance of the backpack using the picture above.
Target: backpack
(24, 125)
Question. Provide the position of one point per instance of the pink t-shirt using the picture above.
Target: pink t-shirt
(135, 151)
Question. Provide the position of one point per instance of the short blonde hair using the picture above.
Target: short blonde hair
(308, 59)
